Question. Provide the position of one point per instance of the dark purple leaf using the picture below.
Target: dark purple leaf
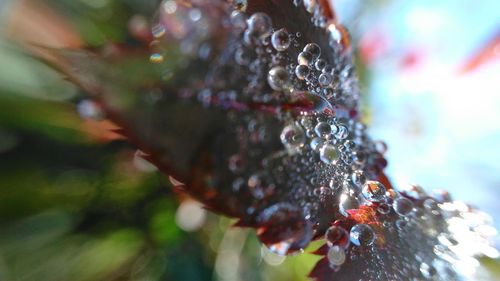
(225, 108)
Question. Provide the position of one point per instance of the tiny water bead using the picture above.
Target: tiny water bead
(336, 256)
(277, 78)
(293, 137)
(402, 206)
(362, 235)
(337, 236)
(280, 40)
(373, 191)
(329, 154)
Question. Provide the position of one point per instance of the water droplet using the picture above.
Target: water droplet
(250, 37)
(316, 144)
(195, 14)
(313, 49)
(242, 56)
(348, 202)
(323, 130)
(362, 235)
(384, 208)
(170, 6)
(329, 154)
(336, 255)
(325, 79)
(342, 132)
(320, 64)
(337, 236)
(88, 109)
(277, 78)
(402, 206)
(358, 178)
(260, 23)
(373, 191)
(305, 58)
(428, 271)
(239, 20)
(283, 229)
(158, 30)
(156, 58)
(280, 40)
(293, 137)
(335, 34)
(260, 185)
(301, 71)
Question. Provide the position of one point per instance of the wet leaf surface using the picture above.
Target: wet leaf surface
(265, 127)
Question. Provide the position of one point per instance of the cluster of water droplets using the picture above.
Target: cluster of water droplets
(275, 85)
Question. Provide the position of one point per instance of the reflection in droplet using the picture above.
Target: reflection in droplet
(373, 191)
(362, 235)
(293, 137)
(329, 154)
(280, 40)
(277, 78)
(337, 236)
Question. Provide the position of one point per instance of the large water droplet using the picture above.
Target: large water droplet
(373, 191)
(329, 154)
(362, 235)
(283, 229)
(337, 236)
